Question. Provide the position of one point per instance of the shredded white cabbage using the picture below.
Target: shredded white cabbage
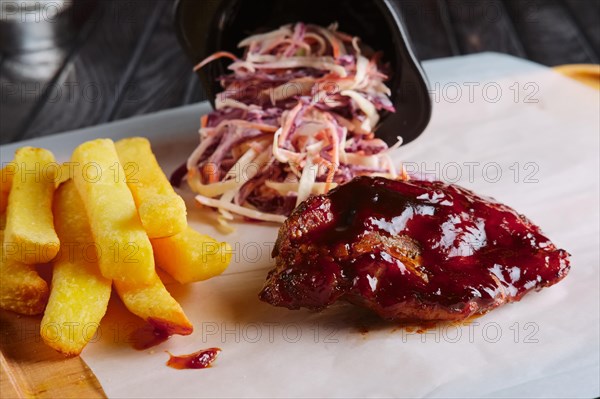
(292, 188)
(240, 210)
(296, 119)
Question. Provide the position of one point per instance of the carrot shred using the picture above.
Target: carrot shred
(336, 49)
(210, 172)
(215, 56)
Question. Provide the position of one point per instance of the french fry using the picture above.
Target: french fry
(29, 236)
(79, 293)
(190, 256)
(22, 290)
(153, 303)
(65, 173)
(124, 250)
(6, 178)
(161, 210)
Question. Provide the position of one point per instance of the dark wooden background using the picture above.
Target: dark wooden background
(125, 59)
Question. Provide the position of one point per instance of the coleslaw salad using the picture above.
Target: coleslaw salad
(296, 118)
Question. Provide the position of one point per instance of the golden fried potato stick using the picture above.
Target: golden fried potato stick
(79, 293)
(6, 178)
(190, 256)
(161, 209)
(65, 173)
(22, 290)
(124, 250)
(153, 303)
(29, 236)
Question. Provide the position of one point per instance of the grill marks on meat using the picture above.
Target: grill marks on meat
(411, 251)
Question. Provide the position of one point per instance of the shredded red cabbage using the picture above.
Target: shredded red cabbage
(296, 117)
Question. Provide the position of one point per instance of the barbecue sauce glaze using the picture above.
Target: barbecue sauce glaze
(385, 243)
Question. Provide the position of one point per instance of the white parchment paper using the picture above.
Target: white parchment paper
(501, 126)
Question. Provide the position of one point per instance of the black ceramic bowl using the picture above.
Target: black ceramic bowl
(207, 26)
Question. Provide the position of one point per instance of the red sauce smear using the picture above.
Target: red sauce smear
(197, 360)
(147, 336)
(155, 332)
(178, 175)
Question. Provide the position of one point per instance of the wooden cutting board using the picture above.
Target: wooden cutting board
(30, 369)
(587, 74)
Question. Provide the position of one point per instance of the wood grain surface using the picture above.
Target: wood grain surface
(480, 26)
(546, 43)
(92, 82)
(162, 56)
(125, 59)
(586, 14)
(424, 24)
(30, 369)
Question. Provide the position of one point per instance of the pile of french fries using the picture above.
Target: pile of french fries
(102, 220)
